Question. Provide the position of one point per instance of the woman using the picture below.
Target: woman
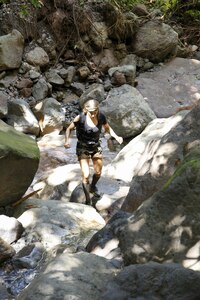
(88, 128)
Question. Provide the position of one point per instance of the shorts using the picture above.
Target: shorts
(85, 152)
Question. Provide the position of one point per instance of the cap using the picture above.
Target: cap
(91, 105)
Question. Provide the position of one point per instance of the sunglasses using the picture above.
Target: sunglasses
(93, 112)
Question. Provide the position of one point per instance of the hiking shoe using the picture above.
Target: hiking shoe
(94, 191)
(88, 203)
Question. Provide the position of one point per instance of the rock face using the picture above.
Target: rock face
(19, 159)
(51, 221)
(168, 88)
(161, 158)
(71, 276)
(55, 71)
(154, 281)
(165, 228)
(126, 163)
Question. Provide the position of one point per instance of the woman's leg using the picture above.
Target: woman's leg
(85, 169)
(97, 165)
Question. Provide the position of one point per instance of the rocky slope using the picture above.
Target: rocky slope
(139, 76)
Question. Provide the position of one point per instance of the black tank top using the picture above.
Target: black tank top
(89, 135)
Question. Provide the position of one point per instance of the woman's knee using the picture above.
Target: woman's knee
(85, 177)
(97, 173)
(97, 163)
(85, 170)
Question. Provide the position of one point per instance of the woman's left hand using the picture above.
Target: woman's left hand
(67, 145)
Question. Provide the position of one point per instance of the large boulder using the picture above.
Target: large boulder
(12, 231)
(156, 41)
(165, 228)
(50, 115)
(161, 158)
(11, 50)
(21, 117)
(126, 163)
(127, 111)
(19, 159)
(168, 88)
(40, 89)
(37, 57)
(51, 221)
(71, 276)
(154, 281)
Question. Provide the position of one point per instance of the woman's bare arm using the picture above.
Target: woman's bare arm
(108, 129)
(68, 131)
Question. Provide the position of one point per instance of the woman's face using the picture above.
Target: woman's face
(93, 113)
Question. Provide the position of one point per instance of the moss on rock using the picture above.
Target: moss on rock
(191, 161)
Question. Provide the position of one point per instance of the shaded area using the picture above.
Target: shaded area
(166, 227)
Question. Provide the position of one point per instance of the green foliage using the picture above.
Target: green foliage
(36, 3)
(23, 11)
(174, 6)
(24, 8)
(125, 3)
(194, 14)
(81, 2)
(190, 162)
(166, 5)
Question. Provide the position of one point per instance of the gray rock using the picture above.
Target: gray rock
(156, 41)
(6, 250)
(21, 117)
(29, 257)
(11, 50)
(54, 78)
(19, 162)
(3, 104)
(127, 162)
(161, 158)
(10, 229)
(154, 281)
(168, 88)
(78, 195)
(95, 91)
(54, 222)
(166, 226)
(50, 115)
(71, 276)
(37, 57)
(40, 89)
(127, 111)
